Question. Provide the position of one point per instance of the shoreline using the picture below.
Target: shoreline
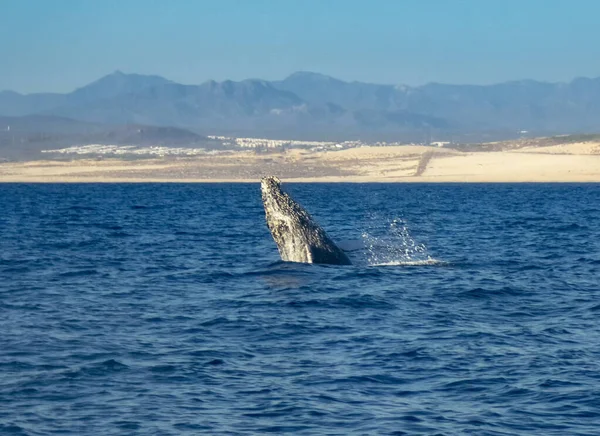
(564, 163)
(325, 180)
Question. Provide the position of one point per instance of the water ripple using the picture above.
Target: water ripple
(164, 309)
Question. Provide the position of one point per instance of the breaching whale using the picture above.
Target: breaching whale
(298, 237)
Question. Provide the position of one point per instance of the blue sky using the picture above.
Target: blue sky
(58, 45)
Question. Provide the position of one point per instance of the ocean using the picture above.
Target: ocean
(164, 309)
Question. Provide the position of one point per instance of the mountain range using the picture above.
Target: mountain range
(314, 106)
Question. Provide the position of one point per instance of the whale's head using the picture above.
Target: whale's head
(278, 205)
(270, 186)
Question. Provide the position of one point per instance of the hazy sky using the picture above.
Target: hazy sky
(58, 45)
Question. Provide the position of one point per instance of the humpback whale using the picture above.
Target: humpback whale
(298, 237)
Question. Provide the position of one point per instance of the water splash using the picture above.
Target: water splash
(394, 245)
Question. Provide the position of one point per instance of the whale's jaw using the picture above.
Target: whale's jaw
(298, 237)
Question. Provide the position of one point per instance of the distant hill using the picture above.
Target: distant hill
(186, 105)
(543, 108)
(308, 105)
(24, 137)
(15, 104)
(318, 88)
(112, 85)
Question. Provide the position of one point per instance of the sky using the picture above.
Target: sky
(59, 45)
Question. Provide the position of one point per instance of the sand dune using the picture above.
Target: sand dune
(577, 162)
(574, 148)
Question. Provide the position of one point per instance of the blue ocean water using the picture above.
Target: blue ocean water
(163, 309)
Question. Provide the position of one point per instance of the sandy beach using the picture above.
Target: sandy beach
(571, 162)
